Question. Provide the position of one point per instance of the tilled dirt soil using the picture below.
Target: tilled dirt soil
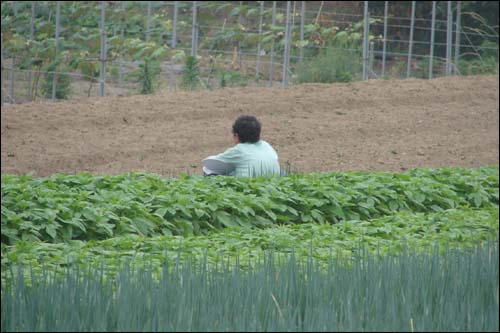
(373, 125)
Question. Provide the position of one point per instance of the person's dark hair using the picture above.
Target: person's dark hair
(247, 128)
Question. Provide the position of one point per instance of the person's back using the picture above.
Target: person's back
(250, 157)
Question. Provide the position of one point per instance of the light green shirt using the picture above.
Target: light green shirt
(251, 159)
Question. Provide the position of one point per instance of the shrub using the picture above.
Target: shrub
(148, 72)
(232, 79)
(63, 83)
(485, 63)
(339, 63)
(190, 73)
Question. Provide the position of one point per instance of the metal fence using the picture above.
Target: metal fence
(423, 44)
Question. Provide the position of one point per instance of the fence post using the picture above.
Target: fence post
(371, 57)
(366, 32)
(148, 21)
(286, 52)
(271, 67)
(302, 19)
(32, 37)
(174, 28)
(54, 78)
(170, 71)
(384, 41)
(457, 36)
(102, 90)
(290, 28)
(120, 70)
(449, 31)
(257, 69)
(12, 78)
(194, 35)
(12, 73)
(410, 47)
(240, 23)
(433, 26)
(2, 73)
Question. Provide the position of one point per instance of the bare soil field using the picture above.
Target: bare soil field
(373, 125)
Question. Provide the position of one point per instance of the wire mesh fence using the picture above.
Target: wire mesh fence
(106, 48)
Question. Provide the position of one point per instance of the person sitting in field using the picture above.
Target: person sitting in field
(249, 157)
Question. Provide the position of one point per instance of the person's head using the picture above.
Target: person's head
(246, 129)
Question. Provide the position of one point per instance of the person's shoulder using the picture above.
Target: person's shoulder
(238, 147)
(267, 146)
(265, 143)
(231, 152)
